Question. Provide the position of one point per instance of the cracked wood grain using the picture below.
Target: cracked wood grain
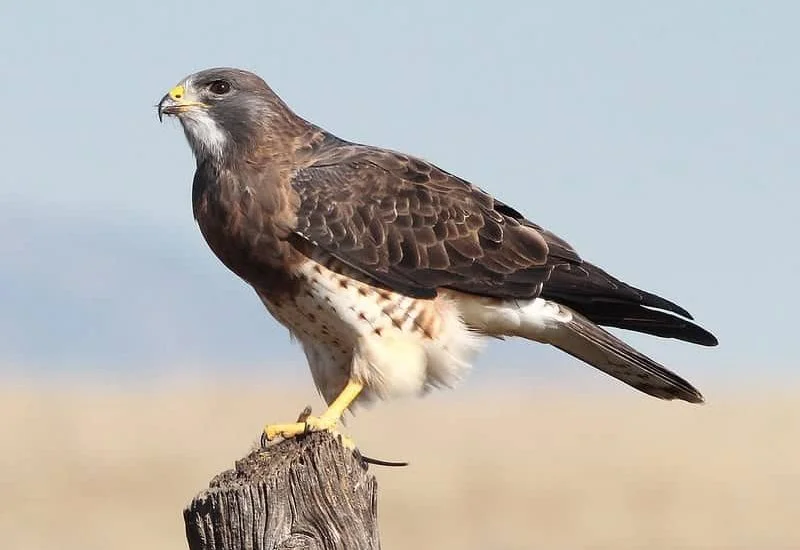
(307, 493)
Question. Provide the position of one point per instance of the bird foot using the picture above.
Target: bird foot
(306, 423)
(326, 422)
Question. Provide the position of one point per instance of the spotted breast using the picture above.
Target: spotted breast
(394, 344)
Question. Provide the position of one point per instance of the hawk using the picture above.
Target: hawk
(387, 269)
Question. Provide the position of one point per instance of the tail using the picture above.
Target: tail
(552, 323)
(588, 342)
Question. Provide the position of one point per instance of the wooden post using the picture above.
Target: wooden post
(304, 493)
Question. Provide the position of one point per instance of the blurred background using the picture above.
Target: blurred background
(662, 141)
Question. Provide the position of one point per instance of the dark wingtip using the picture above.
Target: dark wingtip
(712, 340)
(697, 335)
(694, 333)
(652, 300)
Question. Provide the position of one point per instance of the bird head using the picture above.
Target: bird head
(222, 109)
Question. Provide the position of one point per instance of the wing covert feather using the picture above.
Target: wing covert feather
(415, 228)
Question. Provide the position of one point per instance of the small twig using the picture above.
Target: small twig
(379, 462)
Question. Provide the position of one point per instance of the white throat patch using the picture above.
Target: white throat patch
(205, 136)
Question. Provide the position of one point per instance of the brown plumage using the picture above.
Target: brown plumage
(358, 250)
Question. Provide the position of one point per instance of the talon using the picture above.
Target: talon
(320, 423)
(305, 414)
(272, 432)
(306, 425)
(324, 423)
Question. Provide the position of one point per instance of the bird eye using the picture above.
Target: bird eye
(220, 87)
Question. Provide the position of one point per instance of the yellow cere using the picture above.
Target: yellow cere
(177, 92)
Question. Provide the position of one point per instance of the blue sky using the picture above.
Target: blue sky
(661, 140)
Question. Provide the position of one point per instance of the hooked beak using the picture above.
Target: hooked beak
(176, 102)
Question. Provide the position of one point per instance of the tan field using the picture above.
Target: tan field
(92, 467)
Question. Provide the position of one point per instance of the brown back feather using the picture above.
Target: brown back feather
(409, 225)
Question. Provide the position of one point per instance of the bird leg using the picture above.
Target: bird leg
(325, 422)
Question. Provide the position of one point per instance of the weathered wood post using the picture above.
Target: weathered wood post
(304, 493)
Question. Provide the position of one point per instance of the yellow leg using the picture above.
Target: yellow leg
(325, 422)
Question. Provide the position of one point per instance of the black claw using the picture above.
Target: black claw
(305, 414)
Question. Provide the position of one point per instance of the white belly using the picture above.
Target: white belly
(394, 344)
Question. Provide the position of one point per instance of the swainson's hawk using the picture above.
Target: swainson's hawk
(387, 269)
